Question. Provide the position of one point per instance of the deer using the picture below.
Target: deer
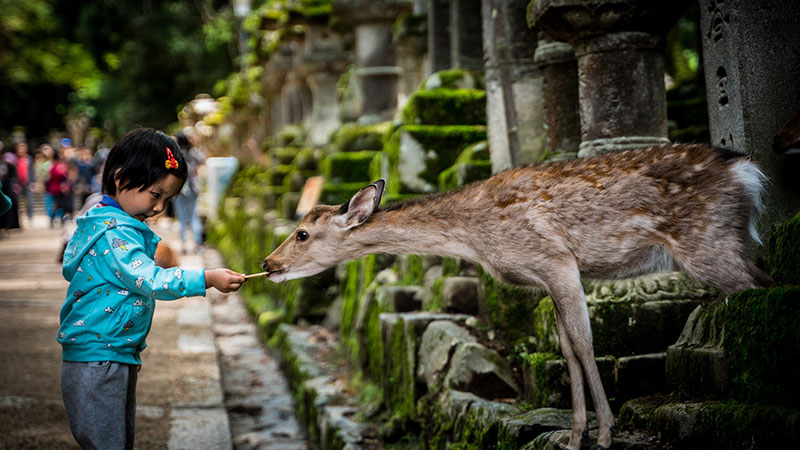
(689, 207)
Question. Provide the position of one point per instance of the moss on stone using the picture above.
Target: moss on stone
(352, 137)
(508, 308)
(544, 320)
(446, 107)
(348, 167)
(306, 159)
(412, 269)
(724, 425)
(462, 174)
(401, 381)
(283, 155)
(338, 193)
(762, 345)
(534, 368)
(454, 79)
(350, 291)
(784, 252)
(440, 147)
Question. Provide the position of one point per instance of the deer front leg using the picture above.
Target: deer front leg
(573, 318)
(580, 427)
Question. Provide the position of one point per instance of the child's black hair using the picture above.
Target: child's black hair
(139, 159)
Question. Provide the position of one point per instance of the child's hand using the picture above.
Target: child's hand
(224, 280)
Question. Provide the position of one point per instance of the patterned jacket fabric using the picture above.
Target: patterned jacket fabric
(114, 283)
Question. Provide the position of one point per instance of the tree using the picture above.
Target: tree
(121, 63)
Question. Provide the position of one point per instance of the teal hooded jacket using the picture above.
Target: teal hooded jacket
(114, 283)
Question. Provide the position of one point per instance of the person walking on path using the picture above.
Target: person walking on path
(8, 178)
(60, 189)
(26, 176)
(44, 162)
(114, 283)
(185, 202)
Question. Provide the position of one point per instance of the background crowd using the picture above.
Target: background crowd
(65, 176)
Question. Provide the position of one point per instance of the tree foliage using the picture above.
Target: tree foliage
(121, 63)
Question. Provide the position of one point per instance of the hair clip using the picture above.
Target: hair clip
(170, 163)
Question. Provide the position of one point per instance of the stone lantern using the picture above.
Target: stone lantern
(619, 45)
(375, 57)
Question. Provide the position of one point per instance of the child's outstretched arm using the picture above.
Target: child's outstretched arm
(137, 272)
(224, 280)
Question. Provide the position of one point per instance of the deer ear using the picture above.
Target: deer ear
(361, 206)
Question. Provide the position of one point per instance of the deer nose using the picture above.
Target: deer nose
(265, 266)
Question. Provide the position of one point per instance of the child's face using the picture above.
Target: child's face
(150, 201)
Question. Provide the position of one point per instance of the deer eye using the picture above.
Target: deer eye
(302, 235)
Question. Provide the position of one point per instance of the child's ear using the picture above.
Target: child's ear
(117, 181)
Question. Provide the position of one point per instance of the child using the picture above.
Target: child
(114, 284)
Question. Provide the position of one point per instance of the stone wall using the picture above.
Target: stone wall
(434, 350)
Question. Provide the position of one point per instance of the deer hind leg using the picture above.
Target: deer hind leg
(573, 324)
(580, 427)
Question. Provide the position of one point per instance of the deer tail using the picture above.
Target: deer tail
(746, 173)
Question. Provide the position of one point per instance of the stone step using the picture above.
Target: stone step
(546, 379)
(711, 424)
(322, 399)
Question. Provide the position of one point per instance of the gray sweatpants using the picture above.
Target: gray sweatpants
(100, 398)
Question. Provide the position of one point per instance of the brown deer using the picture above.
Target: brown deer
(613, 216)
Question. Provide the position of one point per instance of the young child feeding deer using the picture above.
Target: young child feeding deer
(619, 215)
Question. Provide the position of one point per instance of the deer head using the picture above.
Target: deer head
(320, 240)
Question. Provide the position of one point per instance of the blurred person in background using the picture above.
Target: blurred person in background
(26, 176)
(85, 173)
(59, 187)
(8, 180)
(44, 162)
(186, 201)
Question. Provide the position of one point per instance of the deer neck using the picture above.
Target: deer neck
(430, 227)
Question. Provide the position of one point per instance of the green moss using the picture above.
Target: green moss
(338, 193)
(350, 298)
(544, 319)
(784, 252)
(762, 344)
(400, 381)
(724, 425)
(290, 135)
(412, 269)
(353, 137)
(277, 173)
(454, 79)
(306, 159)
(411, 26)
(282, 155)
(441, 146)
(534, 365)
(374, 340)
(509, 308)
(461, 174)
(446, 107)
(348, 167)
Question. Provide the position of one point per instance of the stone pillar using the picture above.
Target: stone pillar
(275, 71)
(619, 45)
(439, 35)
(751, 53)
(466, 50)
(513, 86)
(559, 69)
(376, 66)
(411, 39)
(323, 62)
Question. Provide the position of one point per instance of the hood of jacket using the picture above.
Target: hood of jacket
(92, 226)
